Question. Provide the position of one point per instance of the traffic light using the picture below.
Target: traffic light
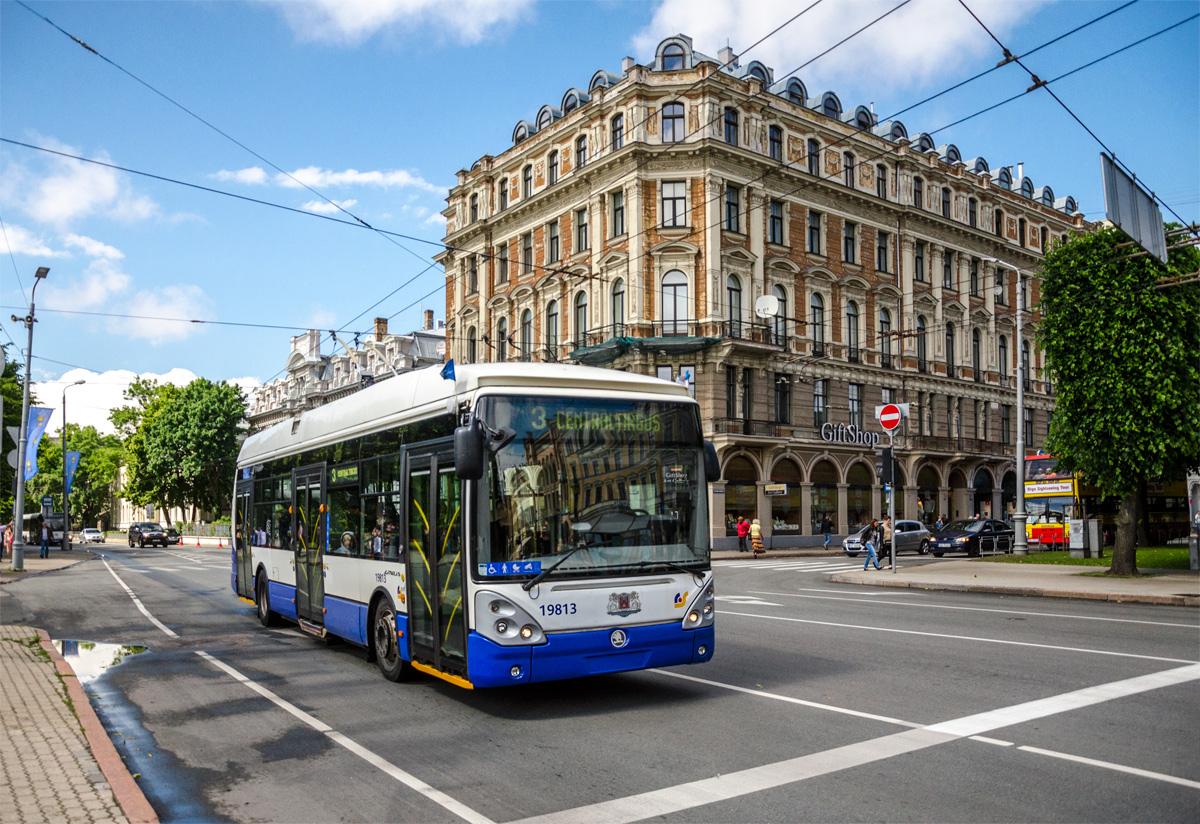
(884, 467)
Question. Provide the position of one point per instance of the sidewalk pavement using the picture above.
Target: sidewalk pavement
(36, 566)
(56, 761)
(1170, 587)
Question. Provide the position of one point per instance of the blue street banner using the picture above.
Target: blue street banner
(448, 370)
(72, 465)
(39, 416)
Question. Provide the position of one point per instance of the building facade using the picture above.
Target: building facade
(796, 262)
(313, 379)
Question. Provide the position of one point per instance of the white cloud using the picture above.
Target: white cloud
(93, 248)
(435, 219)
(923, 42)
(352, 21)
(321, 319)
(323, 208)
(252, 176)
(323, 178)
(71, 189)
(101, 280)
(156, 307)
(17, 240)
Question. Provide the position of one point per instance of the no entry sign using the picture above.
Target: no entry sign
(889, 416)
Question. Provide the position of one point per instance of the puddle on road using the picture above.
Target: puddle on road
(91, 659)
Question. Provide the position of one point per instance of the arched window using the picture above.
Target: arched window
(796, 92)
(817, 322)
(674, 303)
(758, 73)
(830, 105)
(731, 126)
(502, 340)
(922, 345)
(779, 322)
(977, 354)
(848, 168)
(733, 294)
(552, 168)
(571, 103)
(885, 337)
(618, 306)
(552, 329)
(1003, 355)
(673, 57)
(618, 131)
(950, 350)
(527, 182)
(545, 118)
(853, 335)
(862, 119)
(581, 152)
(526, 335)
(472, 344)
(581, 318)
(672, 122)
(814, 157)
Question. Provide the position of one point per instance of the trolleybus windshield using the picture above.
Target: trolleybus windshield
(605, 487)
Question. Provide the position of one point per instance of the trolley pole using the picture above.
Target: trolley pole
(18, 545)
(1020, 545)
(891, 471)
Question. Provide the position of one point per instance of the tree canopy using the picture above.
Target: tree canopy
(1124, 354)
(11, 383)
(91, 491)
(180, 443)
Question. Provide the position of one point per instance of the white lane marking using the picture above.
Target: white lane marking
(437, 796)
(756, 779)
(137, 602)
(876, 596)
(746, 600)
(1108, 765)
(787, 699)
(986, 740)
(973, 638)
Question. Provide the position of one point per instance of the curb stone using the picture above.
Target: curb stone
(1120, 598)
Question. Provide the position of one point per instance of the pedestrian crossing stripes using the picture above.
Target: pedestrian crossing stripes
(794, 565)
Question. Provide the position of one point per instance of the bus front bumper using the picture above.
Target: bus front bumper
(589, 652)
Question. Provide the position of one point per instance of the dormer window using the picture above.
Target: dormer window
(795, 92)
(570, 104)
(758, 73)
(673, 57)
(831, 106)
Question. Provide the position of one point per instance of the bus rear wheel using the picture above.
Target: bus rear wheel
(262, 600)
(387, 646)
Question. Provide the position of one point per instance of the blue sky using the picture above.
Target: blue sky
(378, 103)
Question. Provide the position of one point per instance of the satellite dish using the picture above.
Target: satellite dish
(767, 306)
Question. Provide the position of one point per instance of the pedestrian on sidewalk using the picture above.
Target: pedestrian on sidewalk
(45, 553)
(827, 529)
(743, 532)
(887, 541)
(756, 538)
(3, 539)
(869, 537)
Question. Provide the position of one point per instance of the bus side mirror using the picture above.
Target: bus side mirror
(469, 451)
(712, 466)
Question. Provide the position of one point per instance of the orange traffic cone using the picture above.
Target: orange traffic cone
(220, 545)
(197, 540)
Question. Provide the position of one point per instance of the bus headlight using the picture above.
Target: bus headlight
(510, 625)
(708, 608)
(693, 617)
(703, 607)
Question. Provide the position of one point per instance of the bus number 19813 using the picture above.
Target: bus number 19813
(558, 609)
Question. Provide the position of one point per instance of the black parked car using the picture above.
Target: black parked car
(173, 537)
(974, 537)
(144, 532)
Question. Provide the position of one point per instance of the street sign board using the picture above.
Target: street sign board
(889, 416)
(48, 501)
(1134, 211)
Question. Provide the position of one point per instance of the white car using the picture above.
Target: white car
(90, 536)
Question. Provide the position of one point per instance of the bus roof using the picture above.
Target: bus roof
(422, 393)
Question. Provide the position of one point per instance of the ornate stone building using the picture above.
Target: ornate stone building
(314, 379)
(796, 261)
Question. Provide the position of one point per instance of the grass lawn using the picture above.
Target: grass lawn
(1157, 557)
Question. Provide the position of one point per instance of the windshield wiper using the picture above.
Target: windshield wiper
(695, 573)
(541, 576)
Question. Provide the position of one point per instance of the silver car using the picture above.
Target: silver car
(911, 536)
(91, 535)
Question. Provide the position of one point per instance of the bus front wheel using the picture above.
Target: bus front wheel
(262, 600)
(387, 646)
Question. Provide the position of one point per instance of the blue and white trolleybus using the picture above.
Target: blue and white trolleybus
(520, 523)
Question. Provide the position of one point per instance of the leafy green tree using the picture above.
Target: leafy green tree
(181, 444)
(11, 386)
(1124, 353)
(91, 491)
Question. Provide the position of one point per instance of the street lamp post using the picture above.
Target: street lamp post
(18, 545)
(66, 540)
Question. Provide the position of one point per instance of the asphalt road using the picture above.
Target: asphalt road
(823, 702)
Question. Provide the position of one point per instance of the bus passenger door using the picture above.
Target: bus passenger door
(242, 531)
(308, 541)
(437, 583)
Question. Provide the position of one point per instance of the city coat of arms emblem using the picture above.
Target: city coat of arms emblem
(624, 604)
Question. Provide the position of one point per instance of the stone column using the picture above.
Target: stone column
(806, 508)
(635, 288)
(712, 245)
(843, 518)
(763, 510)
(944, 502)
(755, 231)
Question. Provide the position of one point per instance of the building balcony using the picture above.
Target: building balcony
(769, 334)
(753, 428)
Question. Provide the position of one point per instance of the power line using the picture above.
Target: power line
(174, 320)
(16, 271)
(1038, 83)
(216, 129)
